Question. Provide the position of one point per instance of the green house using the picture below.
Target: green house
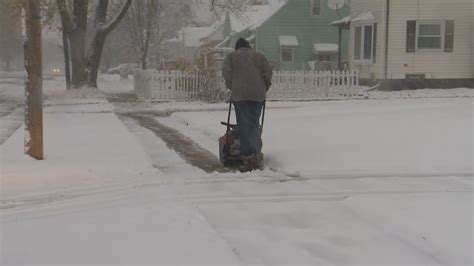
(294, 34)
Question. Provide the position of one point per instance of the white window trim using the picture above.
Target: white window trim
(292, 54)
(361, 60)
(442, 24)
(321, 3)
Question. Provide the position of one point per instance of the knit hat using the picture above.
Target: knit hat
(241, 43)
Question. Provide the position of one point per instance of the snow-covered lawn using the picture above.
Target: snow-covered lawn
(384, 182)
(356, 138)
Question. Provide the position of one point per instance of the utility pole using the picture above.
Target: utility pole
(339, 49)
(34, 81)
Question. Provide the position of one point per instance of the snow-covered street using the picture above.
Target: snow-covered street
(360, 182)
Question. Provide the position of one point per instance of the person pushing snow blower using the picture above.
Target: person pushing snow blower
(248, 75)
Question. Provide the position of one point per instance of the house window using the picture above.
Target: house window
(316, 7)
(429, 35)
(364, 42)
(368, 42)
(287, 54)
(324, 57)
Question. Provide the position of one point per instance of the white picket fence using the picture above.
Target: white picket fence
(168, 85)
(314, 85)
(209, 86)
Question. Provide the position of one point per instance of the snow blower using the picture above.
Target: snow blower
(229, 143)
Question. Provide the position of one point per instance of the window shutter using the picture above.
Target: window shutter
(411, 36)
(449, 36)
(357, 42)
(374, 45)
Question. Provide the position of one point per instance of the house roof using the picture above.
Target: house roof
(254, 16)
(325, 48)
(251, 19)
(264, 14)
(286, 40)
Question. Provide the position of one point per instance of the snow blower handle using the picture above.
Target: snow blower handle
(228, 115)
(263, 116)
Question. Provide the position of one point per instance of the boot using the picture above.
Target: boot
(258, 163)
(247, 164)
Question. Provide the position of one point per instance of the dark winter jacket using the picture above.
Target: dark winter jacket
(247, 74)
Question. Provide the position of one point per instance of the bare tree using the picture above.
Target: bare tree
(151, 22)
(143, 27)
(85, 57)
(236, 7)
(101, 29)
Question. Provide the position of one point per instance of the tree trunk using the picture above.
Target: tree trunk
(101, 31)
(79, 76)
(8, 64)
(144, 59)
(75, 27)
(34, 81)
(67, 60)
(85, 69)
(94, 56)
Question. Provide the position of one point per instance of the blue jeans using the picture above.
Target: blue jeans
(248, 114)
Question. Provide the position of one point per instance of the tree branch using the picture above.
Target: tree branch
(65, 16)
(79, 12)
(116, 20)
(133, 29)
(101, 12)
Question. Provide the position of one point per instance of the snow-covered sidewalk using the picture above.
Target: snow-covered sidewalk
(96, 198)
